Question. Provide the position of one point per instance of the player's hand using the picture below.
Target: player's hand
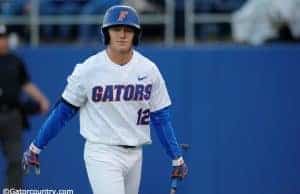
(31, 160)
(180, 169)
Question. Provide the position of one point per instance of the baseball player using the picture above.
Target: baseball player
(118, 93)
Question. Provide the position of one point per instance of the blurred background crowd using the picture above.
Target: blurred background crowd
(77, 21)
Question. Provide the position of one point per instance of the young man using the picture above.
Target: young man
(118, 92)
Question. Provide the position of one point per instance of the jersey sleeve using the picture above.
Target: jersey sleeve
(161, 122)
(159, 96)
(57, 119)
(75, 91)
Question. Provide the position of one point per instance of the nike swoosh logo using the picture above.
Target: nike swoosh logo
(142, 78)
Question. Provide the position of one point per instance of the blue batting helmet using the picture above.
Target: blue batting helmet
(121, 15)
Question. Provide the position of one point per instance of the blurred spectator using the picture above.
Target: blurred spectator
(286, 14)
(13, 7)
(60, 7)
(10, 8)
(13, 81)
(216, 30)
(259, 21)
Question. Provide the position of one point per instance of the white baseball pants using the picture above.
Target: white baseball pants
(113, 169)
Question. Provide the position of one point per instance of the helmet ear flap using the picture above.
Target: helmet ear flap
(137, 36)
(105, 36)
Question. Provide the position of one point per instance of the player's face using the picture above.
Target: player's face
(121, 38)
(3, 45)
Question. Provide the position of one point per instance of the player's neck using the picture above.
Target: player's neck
(119, 58)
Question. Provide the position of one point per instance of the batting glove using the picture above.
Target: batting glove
(31, 160)
(180, 169)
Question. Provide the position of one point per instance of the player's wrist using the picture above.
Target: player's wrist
(178, 161)
(33, 148)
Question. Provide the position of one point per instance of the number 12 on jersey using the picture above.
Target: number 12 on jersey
(143, 117)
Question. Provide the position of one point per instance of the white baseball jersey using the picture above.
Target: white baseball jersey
(116, 100)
